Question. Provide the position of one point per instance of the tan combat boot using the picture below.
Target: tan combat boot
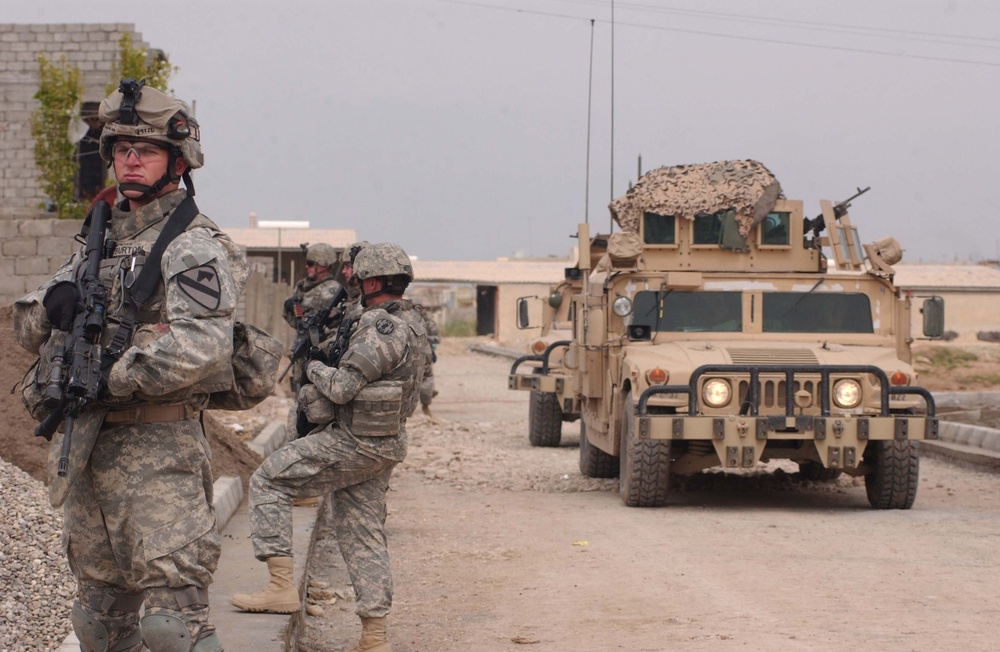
(373, 636)
(280, 595)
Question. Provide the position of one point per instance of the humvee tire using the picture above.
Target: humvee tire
(595, 463)
(895, 471)
(817, 472)
(544, 419)
(644, 466)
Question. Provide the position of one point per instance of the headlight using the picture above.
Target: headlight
(847, 393)
(622, 306)
(716, 392)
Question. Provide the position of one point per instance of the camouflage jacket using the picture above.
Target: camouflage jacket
(181, 347)
(313, 296)
(388, 347)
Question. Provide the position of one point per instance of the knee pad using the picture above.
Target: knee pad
(94, 635)
(163, 633)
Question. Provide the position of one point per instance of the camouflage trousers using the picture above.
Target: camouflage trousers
(324, 462)
(139, 522)
(427, 390)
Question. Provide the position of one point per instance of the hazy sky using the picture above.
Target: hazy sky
(459, 128)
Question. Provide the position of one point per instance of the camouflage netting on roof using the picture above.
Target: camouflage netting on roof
(746, 187)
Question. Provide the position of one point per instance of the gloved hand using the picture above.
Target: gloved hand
(290, 304)
(60, 304)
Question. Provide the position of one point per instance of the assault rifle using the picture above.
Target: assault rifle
(310, 332)
(332, 358)
(817, 224)
(79, 309)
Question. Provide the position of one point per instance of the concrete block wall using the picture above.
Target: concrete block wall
(91, 47)
(31, 251)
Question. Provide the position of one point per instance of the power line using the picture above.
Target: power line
(756, 39)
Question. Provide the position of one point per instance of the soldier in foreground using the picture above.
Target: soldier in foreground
(352, 449)
(135, 483)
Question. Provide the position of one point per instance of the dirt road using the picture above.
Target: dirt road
(498, 546)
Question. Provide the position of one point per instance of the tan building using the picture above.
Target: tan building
(971, 296)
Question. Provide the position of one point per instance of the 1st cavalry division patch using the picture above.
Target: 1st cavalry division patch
(202, 285)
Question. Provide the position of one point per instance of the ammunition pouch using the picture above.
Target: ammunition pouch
(377, 410)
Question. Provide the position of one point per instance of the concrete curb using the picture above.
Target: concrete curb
(227, 495)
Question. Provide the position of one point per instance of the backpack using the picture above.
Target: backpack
(256, 355)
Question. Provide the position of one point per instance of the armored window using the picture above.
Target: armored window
(707, 229)
(688, 312)
(658, 229)
(774, 229)
(817, 312)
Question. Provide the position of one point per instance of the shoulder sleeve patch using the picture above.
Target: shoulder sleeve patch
(384, 326)
(201, 284)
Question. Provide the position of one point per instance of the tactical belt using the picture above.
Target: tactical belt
(152, 414)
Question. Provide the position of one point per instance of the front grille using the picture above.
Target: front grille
(772, 391)
(772, 356)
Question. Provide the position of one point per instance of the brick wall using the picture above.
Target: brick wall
(30, 251)
(91, 47)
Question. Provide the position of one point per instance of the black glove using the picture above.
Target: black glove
(60, 304)
(434, 356)
(290, 304)
(302, 425)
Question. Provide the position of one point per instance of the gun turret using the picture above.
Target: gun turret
(818, 224)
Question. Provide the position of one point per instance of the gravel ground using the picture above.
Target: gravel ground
(37, 586)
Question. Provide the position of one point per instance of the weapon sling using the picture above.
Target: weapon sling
(146, 282)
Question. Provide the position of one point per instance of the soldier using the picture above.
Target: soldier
(352, 307)
(427, 391)
(312, 293)
(351, 452)
(139, 526)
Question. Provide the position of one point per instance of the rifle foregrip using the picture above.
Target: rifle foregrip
(48, 425)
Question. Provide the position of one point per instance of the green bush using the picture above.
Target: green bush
(59, 93)
(459, 329)
(134, 63)
(949, 358)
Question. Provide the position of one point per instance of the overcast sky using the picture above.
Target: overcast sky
(459, 128)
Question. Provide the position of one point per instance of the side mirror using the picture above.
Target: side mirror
(522, 313)
(933, 311)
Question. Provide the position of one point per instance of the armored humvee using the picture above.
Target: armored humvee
(715, 332)
(545, 370)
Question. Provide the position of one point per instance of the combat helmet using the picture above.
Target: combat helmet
(139, 112)
(322, 253)
(386, 261)
(383, 259)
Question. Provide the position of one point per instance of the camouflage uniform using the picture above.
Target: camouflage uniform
(427, 392)
(138, 515)
(139, 525)
(353, 454)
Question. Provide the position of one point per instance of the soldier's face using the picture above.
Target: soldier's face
(143, 163)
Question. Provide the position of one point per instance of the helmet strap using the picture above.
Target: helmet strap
(168, 177)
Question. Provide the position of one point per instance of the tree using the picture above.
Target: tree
(59, 92)
(135, 63)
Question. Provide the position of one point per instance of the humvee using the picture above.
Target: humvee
(716, 332)
(545, 370)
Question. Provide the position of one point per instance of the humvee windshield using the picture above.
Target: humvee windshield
(782, 312)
